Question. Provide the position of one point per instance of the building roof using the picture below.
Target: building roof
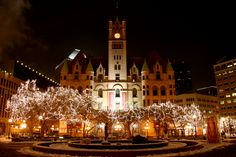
(90, 63)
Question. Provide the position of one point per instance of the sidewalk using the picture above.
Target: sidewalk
(4, 139)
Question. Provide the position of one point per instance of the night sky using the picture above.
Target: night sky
(42, 33)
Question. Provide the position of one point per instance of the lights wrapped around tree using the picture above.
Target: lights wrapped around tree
(59, 103)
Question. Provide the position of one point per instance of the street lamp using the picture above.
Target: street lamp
(118, 128)
(9, 127)
(40, 124)
(195, 124)
(147, 127)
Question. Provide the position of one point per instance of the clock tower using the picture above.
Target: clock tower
(117, 57)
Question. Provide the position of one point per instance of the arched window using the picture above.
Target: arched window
(163, 90)
(117, 93)
(154, 91)
(100, 93)
(134, 92)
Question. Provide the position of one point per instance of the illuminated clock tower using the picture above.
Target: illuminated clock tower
(117, 66)
(117, 58)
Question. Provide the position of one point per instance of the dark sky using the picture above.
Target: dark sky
(199, 33)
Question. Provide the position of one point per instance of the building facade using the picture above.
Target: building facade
(183, 77)
(225, 76)
(119, 86)
(208, 104)
(10, 81)
(8, 86)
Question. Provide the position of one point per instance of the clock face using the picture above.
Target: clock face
(117, 35)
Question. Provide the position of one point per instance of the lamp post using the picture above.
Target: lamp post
(118, 128)
(195, 125)
(40, 125)
(23, 126)
(147, 127)
(9, 127)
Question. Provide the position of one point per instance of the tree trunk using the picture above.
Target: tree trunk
(129, 131)
(84, 133)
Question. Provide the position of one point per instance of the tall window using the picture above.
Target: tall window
(163, 90)
(134, 92)
(118, 66)
(117, 93)
(117, 77)
(76, 76)
(154, 91)
(100, 93)
(158, 76)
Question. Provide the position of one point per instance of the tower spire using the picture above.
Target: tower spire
(117, 5)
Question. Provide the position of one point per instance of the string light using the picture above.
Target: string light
(39, 73)
(68, 104)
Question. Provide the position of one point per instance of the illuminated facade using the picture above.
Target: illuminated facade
(119, 87)
(10, 81)
(225, 75)
(8, 86)
(208, 104)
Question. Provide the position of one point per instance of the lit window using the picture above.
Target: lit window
(231, 71)
(230, 65)
(229, 101)
(222, 102)
(233, 94)
(227, 96)
(221, 90)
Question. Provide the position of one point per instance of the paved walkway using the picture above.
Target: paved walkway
(207, 147)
